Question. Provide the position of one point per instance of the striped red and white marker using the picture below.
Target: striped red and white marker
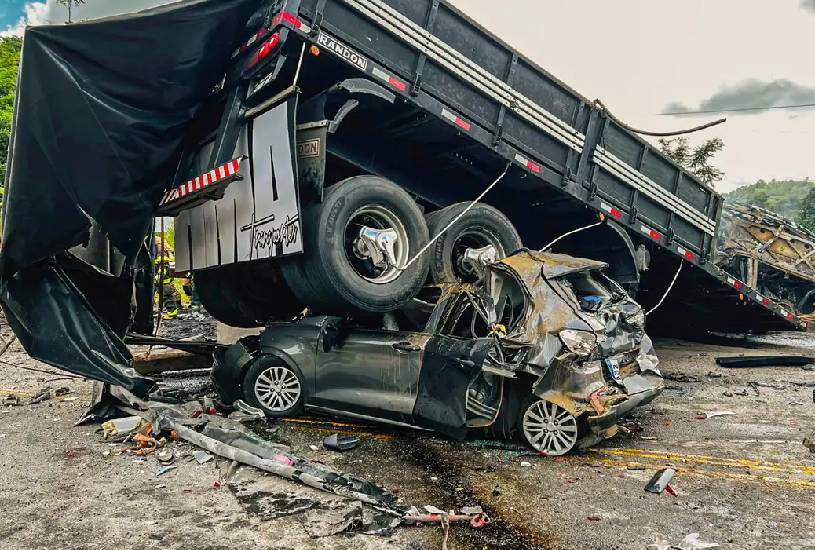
(203, 181)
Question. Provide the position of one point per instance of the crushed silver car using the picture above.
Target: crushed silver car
(543, 345)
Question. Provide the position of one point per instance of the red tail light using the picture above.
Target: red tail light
(268, 46)
(265, 49)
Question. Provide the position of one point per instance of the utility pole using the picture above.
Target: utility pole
(70, 4)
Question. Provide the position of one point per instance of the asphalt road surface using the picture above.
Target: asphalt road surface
(743, 480)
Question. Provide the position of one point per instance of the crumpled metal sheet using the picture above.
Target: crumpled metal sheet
(552, 306)
(753, 232)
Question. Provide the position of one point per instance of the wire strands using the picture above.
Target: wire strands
(670, 287)
(603, 108)
(470, 206)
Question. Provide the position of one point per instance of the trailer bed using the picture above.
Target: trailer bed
(504, 108)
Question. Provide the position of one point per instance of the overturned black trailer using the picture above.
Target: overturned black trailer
(417, 93)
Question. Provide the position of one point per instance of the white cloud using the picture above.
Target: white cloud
(35, 13)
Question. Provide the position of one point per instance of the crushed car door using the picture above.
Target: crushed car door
(455, 392)
(370, 372)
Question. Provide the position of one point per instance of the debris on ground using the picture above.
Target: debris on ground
(11, 400)
(748, 361)
(809, 442)
(46, 394)
(714, 414)
(690, 542)
(165, 470)
(202, 457)
(245, 412)
(340, 443)
(166, 456)
(679, 377)
(660, 481)
(120, 429)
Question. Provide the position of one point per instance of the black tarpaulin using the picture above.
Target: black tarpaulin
(101, 114)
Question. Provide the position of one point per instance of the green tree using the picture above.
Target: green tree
(807, 215)
(696, 160)
(9, 61)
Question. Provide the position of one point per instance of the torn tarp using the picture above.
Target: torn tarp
(101, 115)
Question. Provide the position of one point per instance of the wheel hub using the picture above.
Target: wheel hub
(549, 428)
(278, 389)
(377, 245)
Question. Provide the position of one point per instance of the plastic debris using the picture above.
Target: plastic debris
(690, 542)
(526, 464)
(165, 470)
(660, 480)
(202, 457)
(339, 443)
(166, 456)
(121, 428)
(11, 400)
(246, 413)
(714, 414)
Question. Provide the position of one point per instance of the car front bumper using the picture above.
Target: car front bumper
(614, 414)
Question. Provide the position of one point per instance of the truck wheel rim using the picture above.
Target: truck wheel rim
(278, 389)
(377, 217)
(472, 238)
(549, 428)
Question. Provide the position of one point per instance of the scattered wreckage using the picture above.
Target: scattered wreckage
(543, 345)
(770, 253)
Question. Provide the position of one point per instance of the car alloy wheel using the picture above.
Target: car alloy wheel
(549, 428)
(278, 389)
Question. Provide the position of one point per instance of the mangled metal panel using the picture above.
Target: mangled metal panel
(753, 232)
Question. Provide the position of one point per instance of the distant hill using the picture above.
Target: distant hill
(782, 197)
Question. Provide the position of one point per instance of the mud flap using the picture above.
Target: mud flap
(449, 369)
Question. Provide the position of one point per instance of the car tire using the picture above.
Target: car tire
(481, 226)
(246, 295)
(275, 387)
(333, 276)
(547, 427)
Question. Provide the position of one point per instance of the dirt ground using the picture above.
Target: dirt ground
(744, 480)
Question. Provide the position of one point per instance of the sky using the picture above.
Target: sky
(643, 58)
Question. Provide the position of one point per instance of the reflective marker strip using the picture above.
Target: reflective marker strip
(764, 301)
(214, 176)
(615, 212)
(457, 120)
(389, 79)
(654, 234)
(686, 253)
(735, 283)
(525, 162)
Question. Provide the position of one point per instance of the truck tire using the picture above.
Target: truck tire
(246, 295)
(334, 275)
(481, 226)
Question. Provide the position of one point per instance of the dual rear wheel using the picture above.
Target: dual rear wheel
(361, 256)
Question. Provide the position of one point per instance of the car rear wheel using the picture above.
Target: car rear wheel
(275, 387)
(483, 225)
(358, 243)
(548, 428)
